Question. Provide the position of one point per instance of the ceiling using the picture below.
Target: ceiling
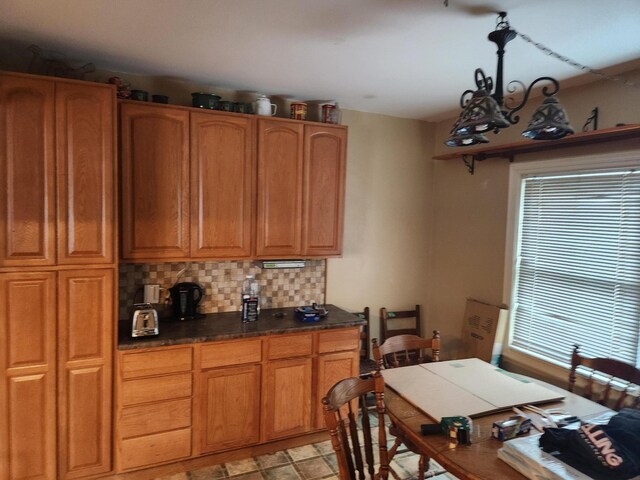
(406, 58)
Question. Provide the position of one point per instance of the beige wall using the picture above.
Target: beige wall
(470, 211)
(388, 217)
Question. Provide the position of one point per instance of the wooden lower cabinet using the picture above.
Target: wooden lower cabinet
(28, 376)
(230, 408)
(330, 369)
(155, 412)
(287, 390)
(155, 448)
(184, 401)
(85, 320)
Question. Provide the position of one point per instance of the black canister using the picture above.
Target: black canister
(159, 99)
(140, 95)
(205, 100)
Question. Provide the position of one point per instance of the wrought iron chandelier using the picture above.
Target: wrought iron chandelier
(487, 109)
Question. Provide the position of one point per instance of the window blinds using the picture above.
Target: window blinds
(578, 267)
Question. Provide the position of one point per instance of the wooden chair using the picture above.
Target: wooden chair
(367, 365)
(611, 376)
(387, 317)
(403, 350)
(345, 406)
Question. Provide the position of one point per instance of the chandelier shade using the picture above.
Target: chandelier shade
(549, 122)
(482, 114)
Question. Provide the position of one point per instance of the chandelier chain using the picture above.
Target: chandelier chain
(579, 66)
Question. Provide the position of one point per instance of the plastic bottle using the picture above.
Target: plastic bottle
(250, 299)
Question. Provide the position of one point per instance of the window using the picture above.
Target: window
(576, 268)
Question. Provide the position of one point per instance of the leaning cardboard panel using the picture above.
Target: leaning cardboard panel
(484, 330)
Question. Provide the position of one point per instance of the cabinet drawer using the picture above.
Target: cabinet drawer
(287, 346)
(338, 340)
(157, 362)
(156, 389)
(158, 448)
(231, 353)
(155, 417)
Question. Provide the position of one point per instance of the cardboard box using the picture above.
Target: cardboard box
(484, 330)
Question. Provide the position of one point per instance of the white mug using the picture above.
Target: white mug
(263, 106)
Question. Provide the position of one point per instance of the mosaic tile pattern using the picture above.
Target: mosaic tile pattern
(309, 462)
(222, 281)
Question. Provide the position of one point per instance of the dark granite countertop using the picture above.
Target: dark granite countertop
(229, 325)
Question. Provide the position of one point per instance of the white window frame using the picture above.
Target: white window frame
(584, 163)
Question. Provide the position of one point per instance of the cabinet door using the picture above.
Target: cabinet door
(287, 398)
(84, 142)
(331, 369)
(324, 178)
(230, 408)
(280, 170)
(27, 376)
(27, 170)
(155, 182)
(222, 180)
(85, 340)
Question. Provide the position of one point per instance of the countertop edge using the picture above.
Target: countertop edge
(230, 327)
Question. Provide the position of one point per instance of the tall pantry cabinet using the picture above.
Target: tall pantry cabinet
(57, 277)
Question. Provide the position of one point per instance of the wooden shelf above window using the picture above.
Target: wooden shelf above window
(509, 150)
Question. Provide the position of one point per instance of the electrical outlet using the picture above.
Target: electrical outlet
(152, 294)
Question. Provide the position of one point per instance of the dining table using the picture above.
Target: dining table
(479, 459)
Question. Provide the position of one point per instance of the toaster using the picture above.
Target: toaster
(145, 320)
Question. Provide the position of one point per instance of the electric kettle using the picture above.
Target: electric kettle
(185, 297)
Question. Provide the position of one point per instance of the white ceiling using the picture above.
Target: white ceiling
(407, 58)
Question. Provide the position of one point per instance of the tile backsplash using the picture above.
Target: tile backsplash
(222, 281)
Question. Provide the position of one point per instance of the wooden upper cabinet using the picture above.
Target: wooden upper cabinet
(84, 142)
(222, 185)
(280, 175)
(27, 170)
(324, 182)
(155, 182)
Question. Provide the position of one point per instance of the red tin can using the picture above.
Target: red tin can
(298, 111)
(327, 113)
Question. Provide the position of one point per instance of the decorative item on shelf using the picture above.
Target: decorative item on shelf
(225, 106)
(487, 109)
(56, 65)
(336, 115)
(298, 111)
(592, 120)
(159, 99)
(327, 112)
(140, 95)
(242, 107)
(205, 100)
(263, 106)
(122, 87)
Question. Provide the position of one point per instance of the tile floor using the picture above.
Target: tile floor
(309, 462)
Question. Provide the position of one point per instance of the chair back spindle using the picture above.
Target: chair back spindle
(609, 382)
(345, 413)
(403, 350)
(388, 318)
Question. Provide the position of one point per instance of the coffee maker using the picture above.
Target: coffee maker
(185, 297)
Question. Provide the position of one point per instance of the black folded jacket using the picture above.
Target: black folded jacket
(604, 452)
